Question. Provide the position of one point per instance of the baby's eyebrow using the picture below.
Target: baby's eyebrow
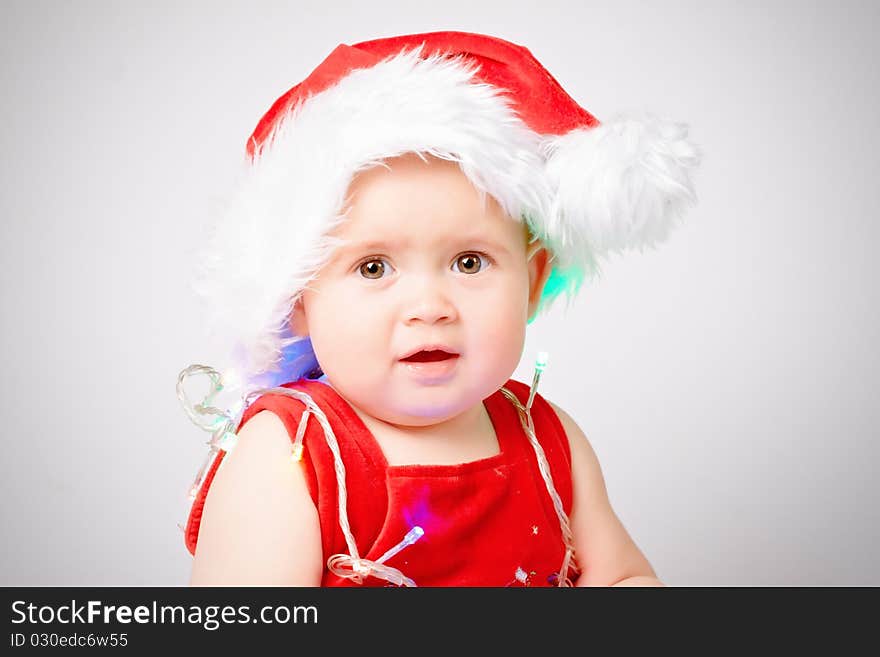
(458, 242)
(373, 245)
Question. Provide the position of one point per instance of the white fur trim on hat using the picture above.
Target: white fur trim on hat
(273, 238)
(620, 185)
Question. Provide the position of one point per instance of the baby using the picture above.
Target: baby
(416, 459)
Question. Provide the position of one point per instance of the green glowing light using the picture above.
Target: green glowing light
(227, 442)
(541, 361)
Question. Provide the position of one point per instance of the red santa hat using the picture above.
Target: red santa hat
(585, 188)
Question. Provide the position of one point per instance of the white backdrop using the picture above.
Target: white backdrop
(727, 380)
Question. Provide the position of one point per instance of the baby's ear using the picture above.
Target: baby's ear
(298, 324)
(540, 265)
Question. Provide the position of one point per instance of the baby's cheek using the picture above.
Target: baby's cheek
(335, 324)
(500, 327)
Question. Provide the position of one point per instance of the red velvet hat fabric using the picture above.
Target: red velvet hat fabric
(537, 97)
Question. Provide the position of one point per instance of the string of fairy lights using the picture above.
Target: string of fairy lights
(221, 425)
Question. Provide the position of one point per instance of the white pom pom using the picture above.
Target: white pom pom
(620, 185)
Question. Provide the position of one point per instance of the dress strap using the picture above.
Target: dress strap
(367, 497)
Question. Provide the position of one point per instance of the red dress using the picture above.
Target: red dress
(489, 522)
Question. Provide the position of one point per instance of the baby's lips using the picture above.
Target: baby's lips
(432, 355)
(428, 348)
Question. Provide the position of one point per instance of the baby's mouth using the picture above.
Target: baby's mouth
(428, 356)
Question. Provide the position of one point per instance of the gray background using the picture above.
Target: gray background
(727, 380)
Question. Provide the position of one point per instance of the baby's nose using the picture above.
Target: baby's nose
(430, 304)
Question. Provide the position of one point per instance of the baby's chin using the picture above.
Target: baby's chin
(417, 408)
(408, 413)
(403, 402)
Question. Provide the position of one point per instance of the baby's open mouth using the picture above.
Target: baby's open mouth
(429, 356)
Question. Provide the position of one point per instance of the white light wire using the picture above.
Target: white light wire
(206, 417)
(525, 418)
(350, 566)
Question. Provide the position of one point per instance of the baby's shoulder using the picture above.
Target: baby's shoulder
(572, 429)
(583, 458)
(287, 402)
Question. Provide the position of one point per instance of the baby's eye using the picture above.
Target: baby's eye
(470, 263)
(372, 269)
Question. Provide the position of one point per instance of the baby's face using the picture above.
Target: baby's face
(423, 266)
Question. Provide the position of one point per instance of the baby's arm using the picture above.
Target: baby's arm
(259, 526)
(604, 549)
